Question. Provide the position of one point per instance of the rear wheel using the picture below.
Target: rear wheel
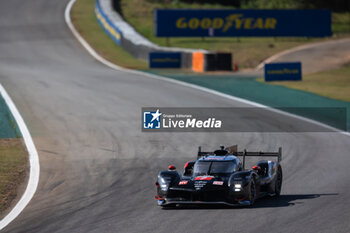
(278, 183)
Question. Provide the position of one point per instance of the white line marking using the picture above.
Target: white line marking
(33, 162)
(158, 77)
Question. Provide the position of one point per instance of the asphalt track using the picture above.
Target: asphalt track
(98, 169)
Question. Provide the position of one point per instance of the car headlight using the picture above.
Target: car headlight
(238, 187)
(164, 183)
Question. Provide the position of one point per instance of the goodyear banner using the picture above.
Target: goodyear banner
(164, 60)
(234, 23)
(287, 71)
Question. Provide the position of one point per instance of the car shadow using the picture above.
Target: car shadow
(287, 200)
(265, 202)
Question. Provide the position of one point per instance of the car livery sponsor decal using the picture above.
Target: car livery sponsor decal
(200, 184)
(218, 183)
(203, 178)
(183, 182)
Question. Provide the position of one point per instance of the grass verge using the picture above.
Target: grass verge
(13, 167)
(334, 83)
(85, 22)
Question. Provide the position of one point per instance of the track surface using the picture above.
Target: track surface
(98, 169)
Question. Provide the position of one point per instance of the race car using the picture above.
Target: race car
(220, 177)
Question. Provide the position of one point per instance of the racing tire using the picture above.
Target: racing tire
(278, 183)
(252, 192)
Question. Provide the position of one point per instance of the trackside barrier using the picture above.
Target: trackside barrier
(130, 40)
(211, 61)
(223, 61)
(106, 24)
(198, 62)
(164, 60)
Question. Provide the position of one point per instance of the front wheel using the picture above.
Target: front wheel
(252, 192)
(278, 183)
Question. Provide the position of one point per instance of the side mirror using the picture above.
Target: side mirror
(171, 168)
(188, 169)
(256, 168)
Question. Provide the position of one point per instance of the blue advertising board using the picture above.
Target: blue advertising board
(235, 23)
(164, 60)
(287, 71)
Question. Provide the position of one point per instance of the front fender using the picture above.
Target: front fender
(238, 184)
(242, 178)
(167, 179)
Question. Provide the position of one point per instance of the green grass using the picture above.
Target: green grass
(341, 23)
(85, 22)
(13, 167)
(248, 52)
(334, 84)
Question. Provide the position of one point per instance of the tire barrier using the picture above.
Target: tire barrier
(198, 62)
(211, 62)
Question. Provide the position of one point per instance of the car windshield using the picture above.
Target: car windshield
(214, 167)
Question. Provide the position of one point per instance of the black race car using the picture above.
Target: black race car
(220, 177)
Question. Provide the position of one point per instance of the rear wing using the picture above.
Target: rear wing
(232, 150)
(246, 153)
